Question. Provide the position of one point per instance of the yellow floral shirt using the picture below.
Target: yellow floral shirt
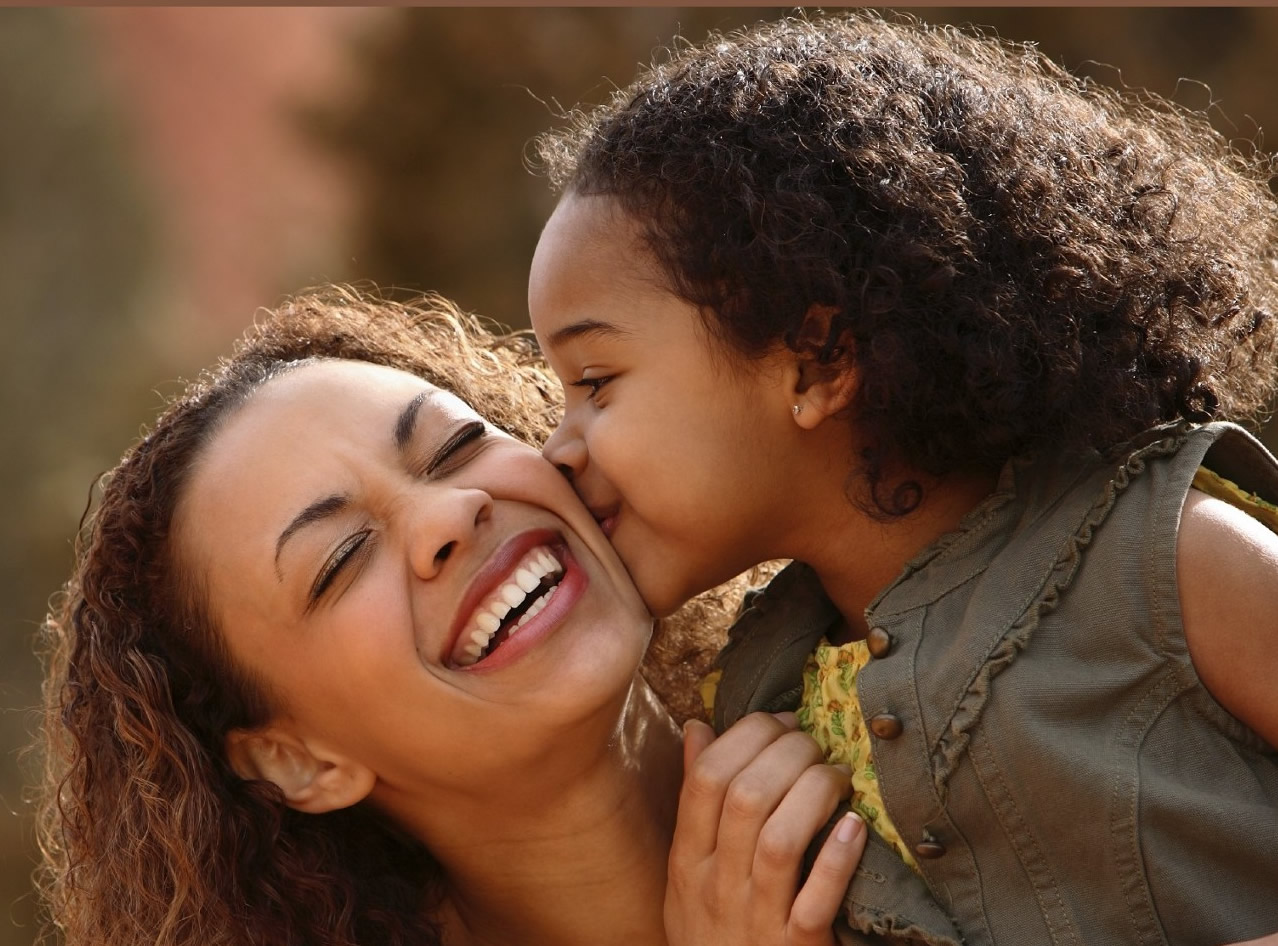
(831, 714)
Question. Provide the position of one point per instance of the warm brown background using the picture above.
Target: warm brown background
(167, 170)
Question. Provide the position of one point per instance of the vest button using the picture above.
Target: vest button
(886, 726)
(929, 849)
(878, 642)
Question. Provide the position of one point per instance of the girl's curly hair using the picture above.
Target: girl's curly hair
(1016, 258)
(147, 833)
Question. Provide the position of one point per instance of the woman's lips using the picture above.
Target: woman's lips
(554, 608)
(528, 588)
(488, 580)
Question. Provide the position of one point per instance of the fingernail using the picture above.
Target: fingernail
(844, 768)
(849, 825)
(789, 719)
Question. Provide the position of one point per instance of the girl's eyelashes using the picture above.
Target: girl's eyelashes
(593, 384)
(354, 550)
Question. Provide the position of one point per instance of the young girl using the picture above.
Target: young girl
(955, 330)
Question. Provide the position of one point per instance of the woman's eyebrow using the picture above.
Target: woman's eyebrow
(407, 421)
(320, 509)
(405, 424)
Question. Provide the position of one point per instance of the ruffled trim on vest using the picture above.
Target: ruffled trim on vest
(953, 743)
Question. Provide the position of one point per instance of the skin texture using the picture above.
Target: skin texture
(748, 799)
(1227, 570)
(659, 416)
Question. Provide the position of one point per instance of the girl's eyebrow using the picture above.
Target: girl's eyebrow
(587, 327)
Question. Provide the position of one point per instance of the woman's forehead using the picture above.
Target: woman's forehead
(328, 384)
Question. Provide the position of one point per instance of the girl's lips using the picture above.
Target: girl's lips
(606, 517)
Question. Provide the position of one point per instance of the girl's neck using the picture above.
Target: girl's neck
(857, 556)
(585, 866)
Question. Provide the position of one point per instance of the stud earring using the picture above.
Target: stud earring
(798, 409)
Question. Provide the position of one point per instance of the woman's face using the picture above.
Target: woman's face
(367, 545)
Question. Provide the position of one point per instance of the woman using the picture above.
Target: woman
(342, 663)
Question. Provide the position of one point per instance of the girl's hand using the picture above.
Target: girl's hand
(752, 800)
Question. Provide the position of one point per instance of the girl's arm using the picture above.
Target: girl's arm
(752, 801)
(1227, 569)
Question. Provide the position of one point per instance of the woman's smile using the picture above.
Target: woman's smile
(365, 533)
(515, 589)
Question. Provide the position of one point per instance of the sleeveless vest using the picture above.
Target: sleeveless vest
(1049, 749)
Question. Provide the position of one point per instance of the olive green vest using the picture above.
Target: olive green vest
(1046, 743)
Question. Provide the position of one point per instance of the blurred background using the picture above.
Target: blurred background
(170, 170)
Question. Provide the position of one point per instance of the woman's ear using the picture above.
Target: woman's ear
(314, 781)
(826, 379)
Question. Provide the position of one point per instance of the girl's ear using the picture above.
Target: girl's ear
(826, 378)
(314, 781)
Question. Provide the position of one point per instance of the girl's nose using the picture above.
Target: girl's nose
(566, 450)
(445, 520)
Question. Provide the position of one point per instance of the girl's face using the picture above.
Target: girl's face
(676, 444)
(368, 545)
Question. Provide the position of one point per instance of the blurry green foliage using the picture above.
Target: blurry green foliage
(75, 253)
(437, 136)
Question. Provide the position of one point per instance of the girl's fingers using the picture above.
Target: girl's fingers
(707, 778)
(783, 840)
(696, 737)
(821, 898)
(754, 796)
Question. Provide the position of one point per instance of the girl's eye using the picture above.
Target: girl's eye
(594, 385)
(353, 550)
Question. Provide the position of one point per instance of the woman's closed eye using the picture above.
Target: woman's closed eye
(456, 450)
(355, 549)
(353, 552)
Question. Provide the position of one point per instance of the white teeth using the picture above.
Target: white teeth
(536, 565)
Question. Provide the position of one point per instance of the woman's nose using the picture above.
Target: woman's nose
(445, 520)
(566, 450)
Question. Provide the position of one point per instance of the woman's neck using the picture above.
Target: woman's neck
(585, 866)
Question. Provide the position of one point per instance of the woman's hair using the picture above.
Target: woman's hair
(1016, 258)
(148, 834)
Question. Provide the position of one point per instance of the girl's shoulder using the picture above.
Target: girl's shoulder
(1227, 573)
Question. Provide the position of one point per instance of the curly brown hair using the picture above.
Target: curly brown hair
(148, 834)
(1016, 258)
